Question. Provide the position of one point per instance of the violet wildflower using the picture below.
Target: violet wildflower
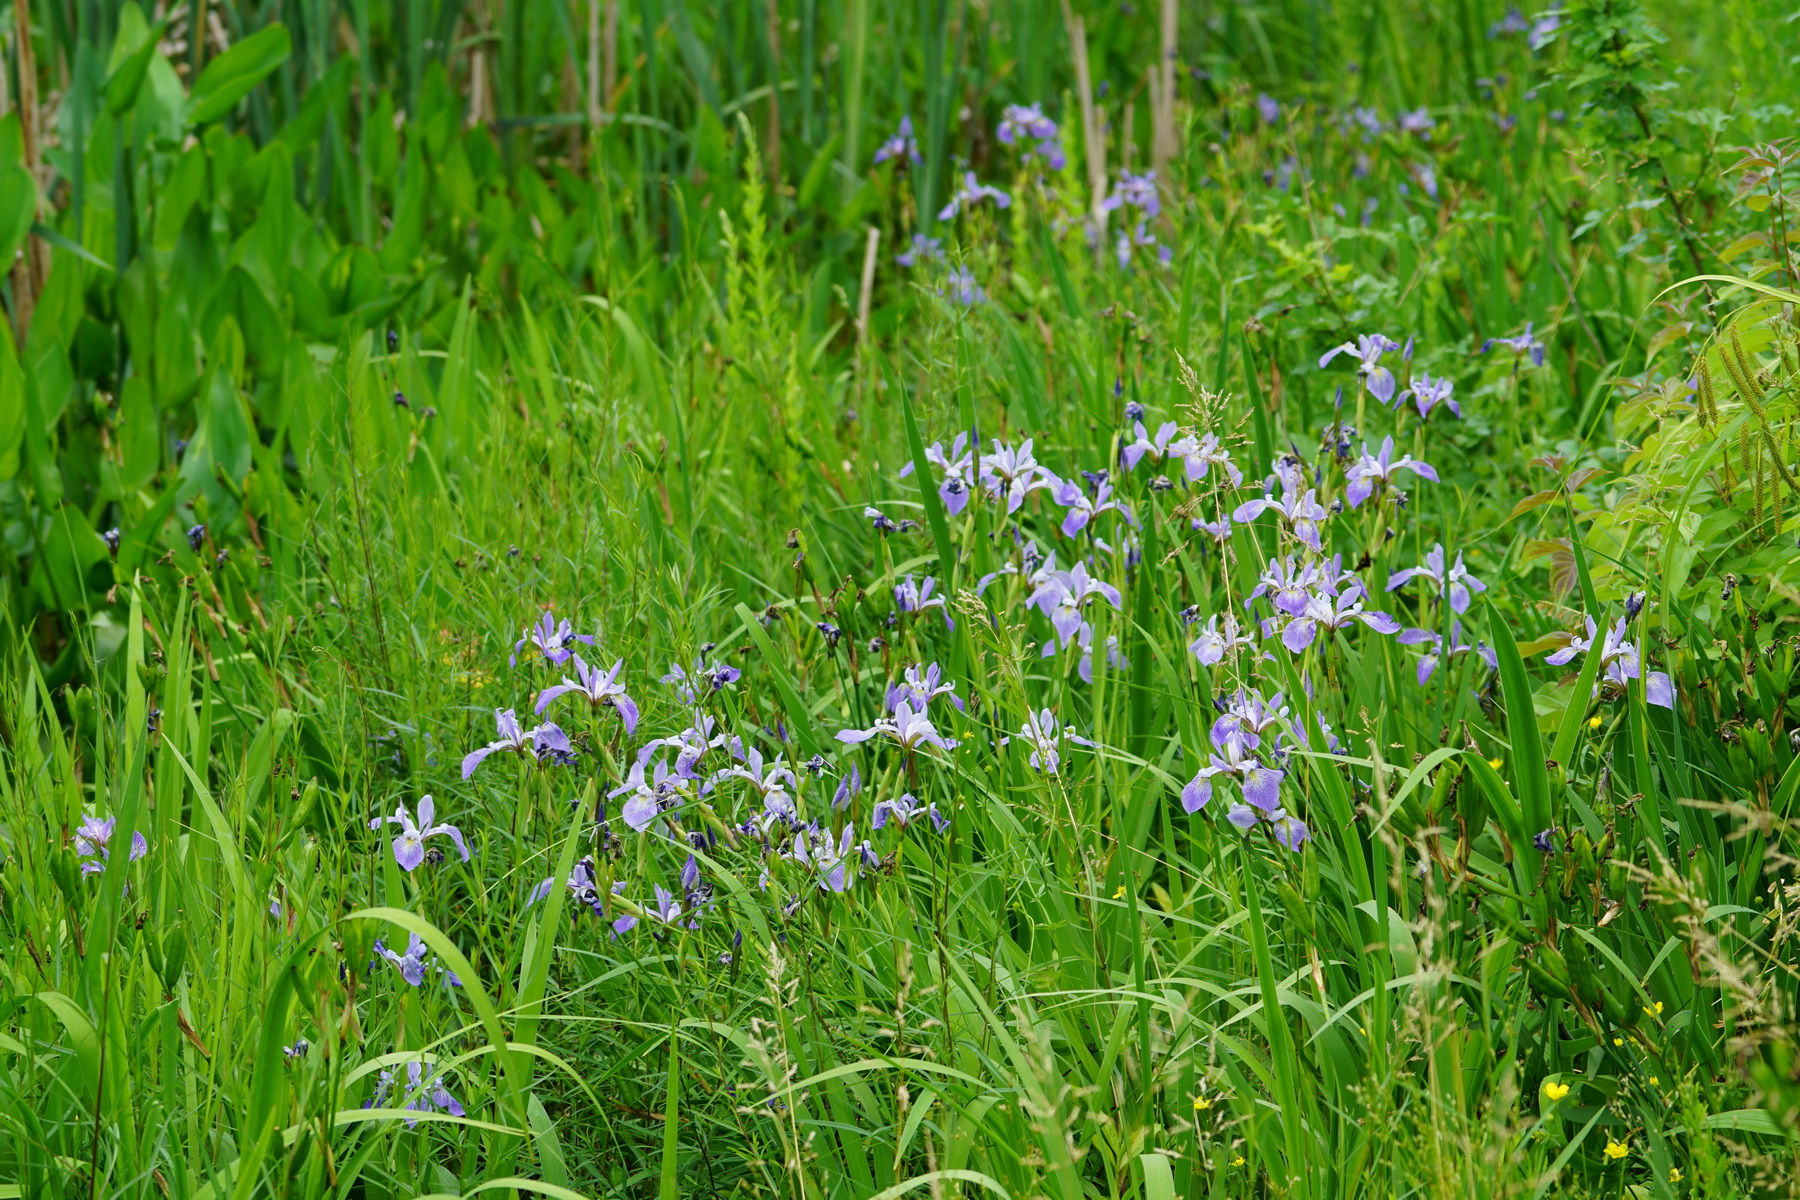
(409, 847)
(905, 810)
(909, 728)
(1213, 644)
(1156, 448)
(882, 524)
(195, 536)
(1522, 346)
(111, 538)
(1246, 712)
(903, 145)
(1044, 734)
(972, 193)
(1330, 613)
(1024, 121)
(1418, 122)
(958, 470)
(1428, 393)
(1138, 191)
(552, 638)
(849, 787)
(1234, 758)
(774, 782)
(1456, 582)
(1062, 595)
(1300, 512)
(1544, 29)
(1513, 22)
(547, 742)
(600, 688)
(424, 1093)
(1268, 108)
(919, 686)
(1373, 472)
(962, 288)
(1368, 349)
(913, 597)
(920, 249)
(1010, 475)
(1083, 509)
(93, 839)
(1619, 662)
(582, 884)
(829, 860)
(1201, 454)
(1428, 663)
(411, 965)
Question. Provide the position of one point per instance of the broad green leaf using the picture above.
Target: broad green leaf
(229, 77)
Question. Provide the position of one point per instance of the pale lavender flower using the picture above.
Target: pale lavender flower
(1012, 474)
(903, 145)
(911, 597)
(1456, 582)
(1234, 758)
(909, 728)
(1331, 613)
(1024, 121)
(423, 1093)
(1219, 530)
(1428, 663)
(829, 860)
(1156, 449)
(1513, 22)
(1138, 191)
(1367, 350)
(774, 782)
(1300, 511)
(1428, 393)
(1287, 584)
(411, 965)
(958, 471)
(919, 686)
(1062, 595)
(1201, 454)
(92, 838)
(552, 638)
(1544, 29)
(848, 788)
(1137, 238)
(582, 884)
(962, 287)
(921, 249)
(1268, 108)
(906, 809)
(1376, 471)
(598, 688)
(409, 847)
(547, 742)
(1619, 662)
(1083, 508)
(1523, 345)
(1250, 716)
(1418, 122)
(972, 193)
(1044, 734)
(1213, 644)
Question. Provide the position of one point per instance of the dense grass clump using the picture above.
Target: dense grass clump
(848, 599)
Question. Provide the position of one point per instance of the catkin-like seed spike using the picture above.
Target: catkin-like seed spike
(1709, 404)
(1742, 367)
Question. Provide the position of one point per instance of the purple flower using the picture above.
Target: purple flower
(1287, 584)
(1250, 716)
(1268, 108)
(1513, 22)
(910, 728)
(1234, 758)
(962, 287)
(1429, 661)
(1524, 344)
(1156, 448)
(1619, 663)
(774, 782)
(1428, 393)
(919, 686)
(829, 859)
(902, 145)
(1026, 121)
(92, 838)
(716, 676)
(411, 965)
(1082, 508)
(423, 1093)
(912, 597)
(547, 742)
(1138, 191)
(906, 809)
(599, 687)
(1330, 613)
(1368, 349)
(1062, 595)
(552, 639)
(409, 847)
(1044, 734)
(582, 885)
(972, 193)
(1300, 511)
(1457, 581)
(1214, 644)
(921, 249)
(1011, 475)
(958, 469)
(1202, 453)
(849, 787)
(1544, 29)
(1136, 239)
(1417, 122)
(1376, 471)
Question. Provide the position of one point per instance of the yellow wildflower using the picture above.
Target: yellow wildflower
(1555, 1091)
(1238, 1161)
(1494, 763)
(1594, 721)
(1617, 1150)
(1201, 1104)
(1120, 893)
(1618, 1041)
(1653, 1010)
(1675, 1175)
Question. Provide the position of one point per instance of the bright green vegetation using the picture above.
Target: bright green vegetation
(371, 332)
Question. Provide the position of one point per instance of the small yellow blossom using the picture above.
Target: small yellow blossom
(1594, 721)
(1120, 894)
(1617, 1150)
(1555, 1091)
(1238, 1161)
(1675, 1175)
(1655, 1082)
(1654, 1010)
(1618, 1041)
(1494, 763)
(1201, 1104)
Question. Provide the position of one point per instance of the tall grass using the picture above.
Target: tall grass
(373, 342)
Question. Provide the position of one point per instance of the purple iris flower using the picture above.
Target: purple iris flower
(652, 791)
(1333, 612)
(1024, 121)
(1044, 734)
(1619, 662)
(1201, 454)
(902, 145)
(424, 1093)
(829, 859)
(1513, 22)
(972, 193)
(552, 638)
(1376, 471)
(1062, 595)
(1417, 122)
(921, 249)
(1368, 349)
(1137, 238)
(1251, 717)
(1287, 584)
(1219, 530)
(958, 470)
(905, 810)
(1544, 29)
(1268, 108)
(1457, 581)
(1234, 757)
(1083, 508)
(1138, 191)
(774, 782)
(848, 788)
(92, 838)
(599, 688)
(919, 686)
(582, 885)
(1428, 393)
(547, 742)
(1428, 663)
(911, 597)
(1010, 474)
(715, 677)
(1214, 643)
(1300, 511)
(411, 965)
(909, 727)
(409, 847)
(1156, 448)
(1524, 344)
